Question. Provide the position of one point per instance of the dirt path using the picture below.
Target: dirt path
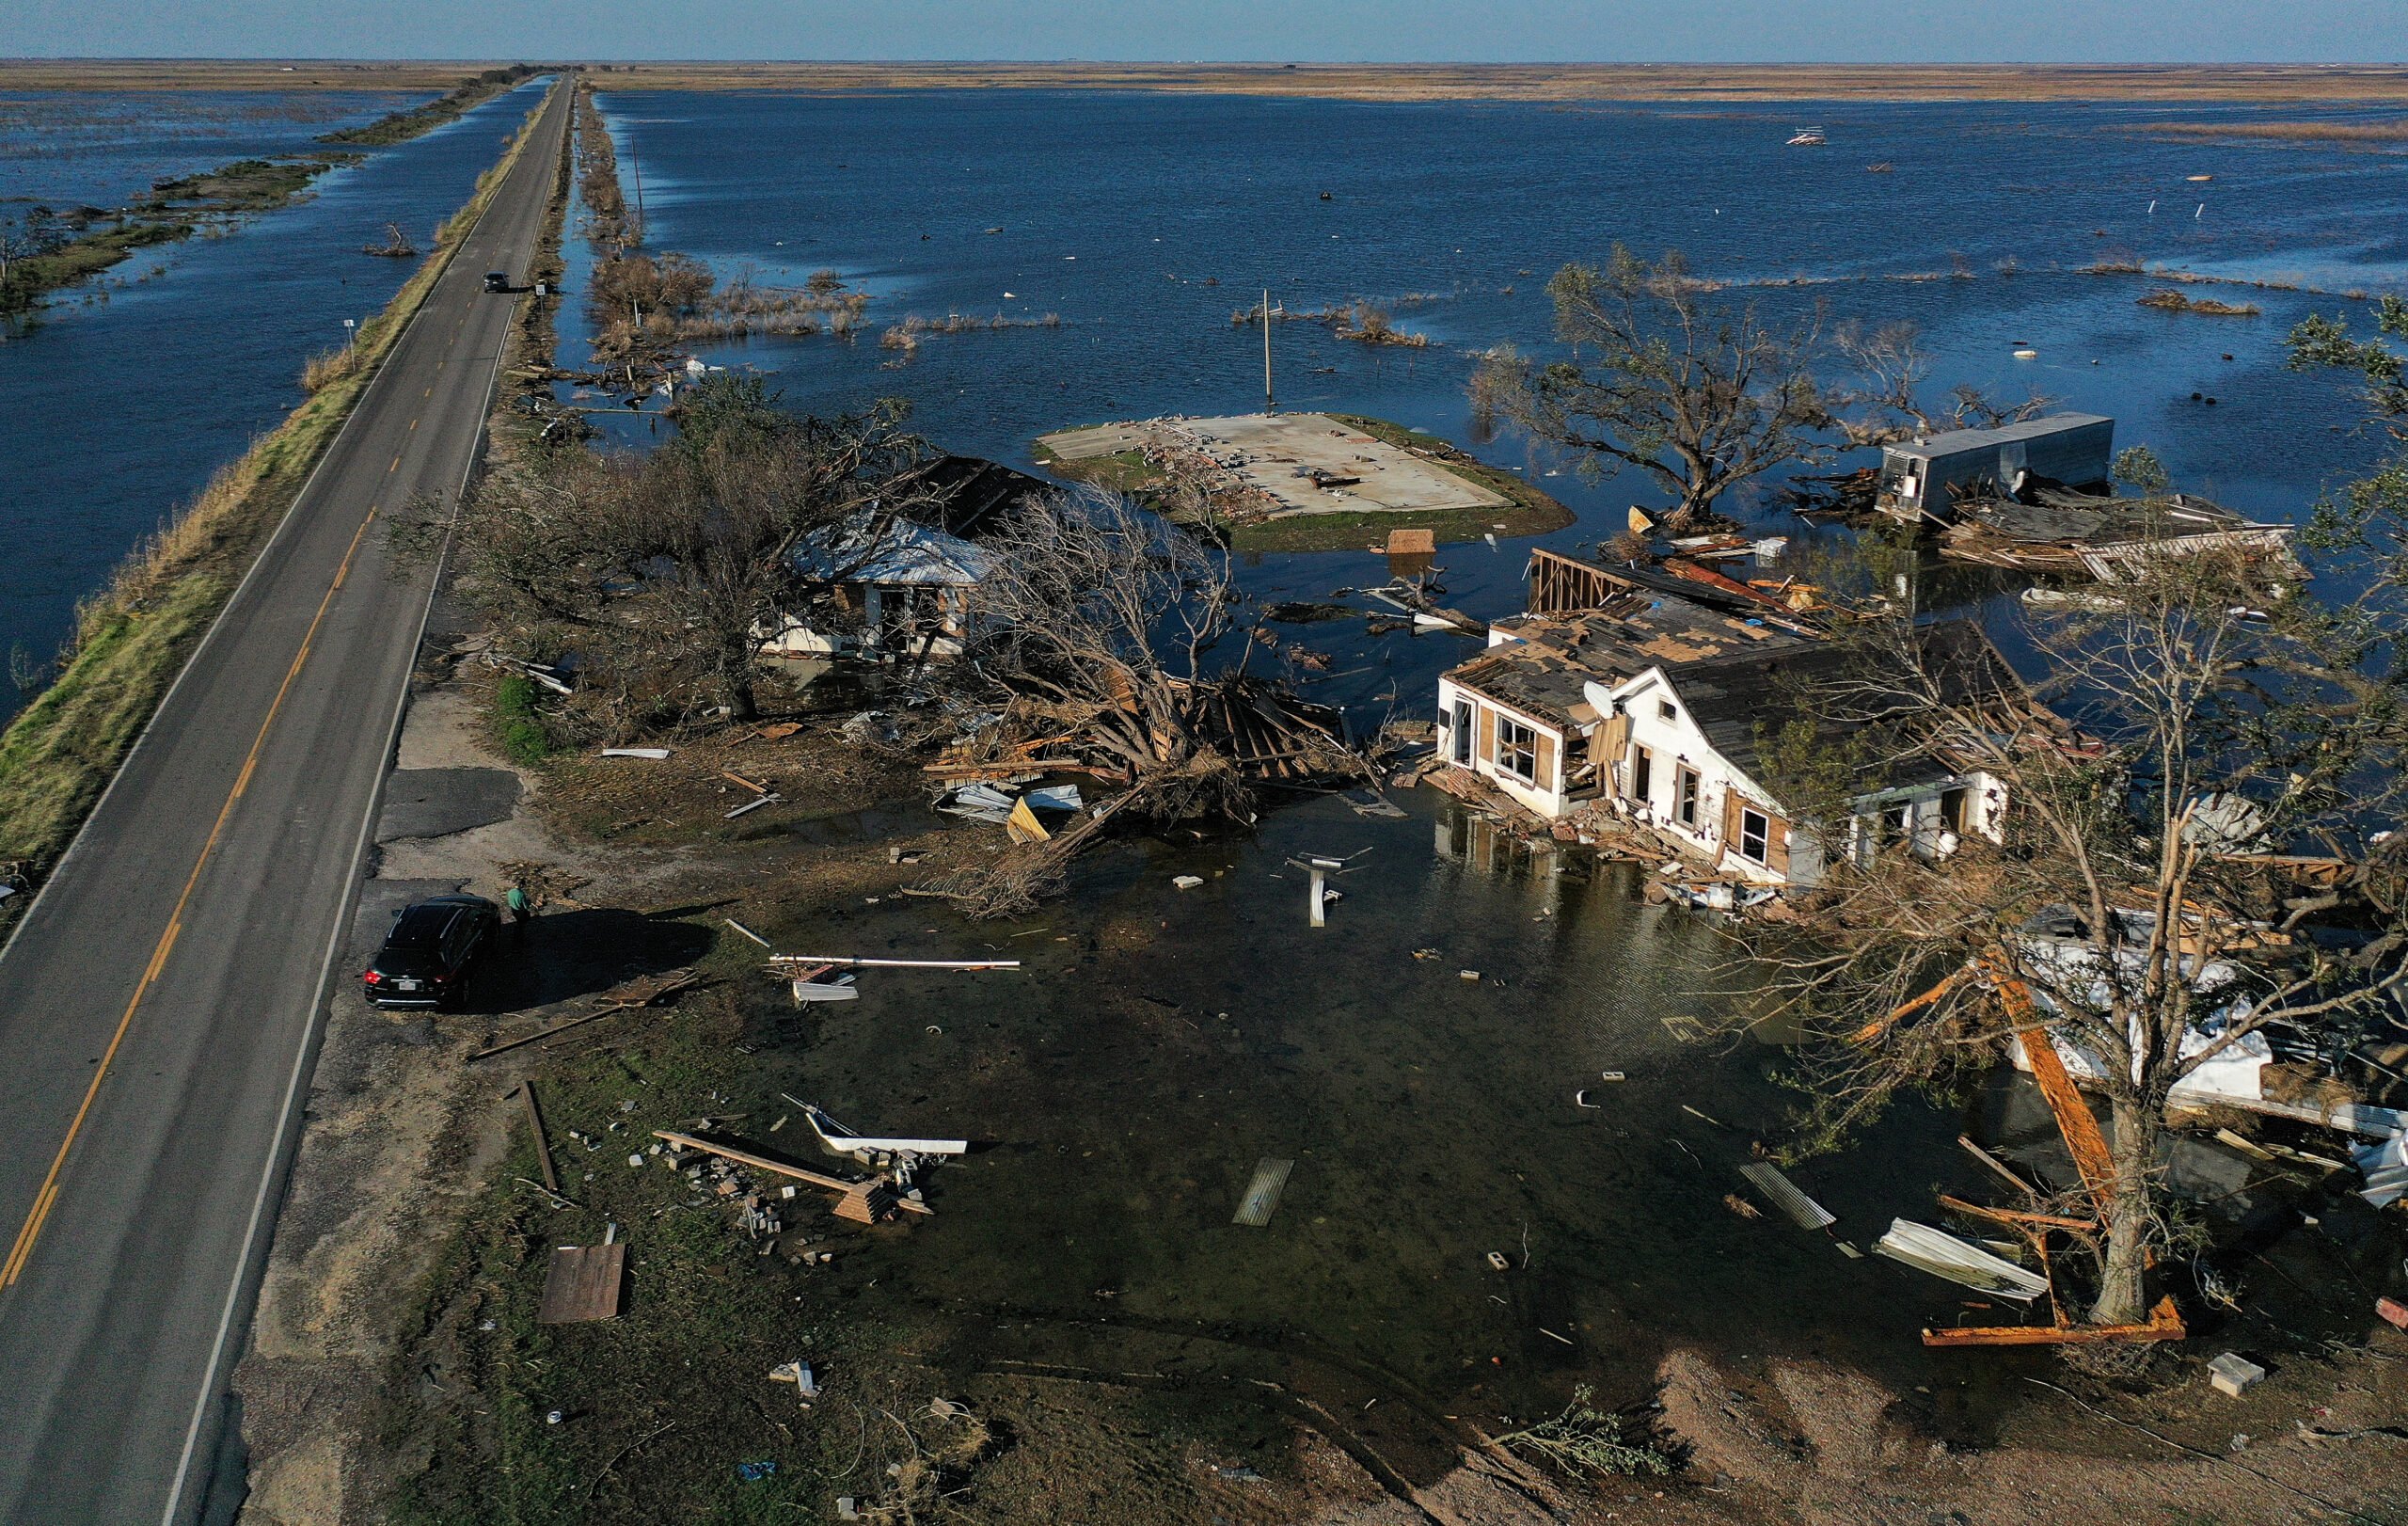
(400, 1133)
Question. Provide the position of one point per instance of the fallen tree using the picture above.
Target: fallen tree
(1090, 637)
(661, 573)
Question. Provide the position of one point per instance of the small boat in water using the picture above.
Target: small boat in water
(1808, 137)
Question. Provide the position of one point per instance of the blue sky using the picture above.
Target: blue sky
(1938, 31)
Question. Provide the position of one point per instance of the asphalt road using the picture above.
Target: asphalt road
(161, 1003)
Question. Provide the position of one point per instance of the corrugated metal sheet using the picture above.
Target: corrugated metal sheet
(1783, 1193)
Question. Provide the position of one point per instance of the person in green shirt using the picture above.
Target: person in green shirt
(521, 908)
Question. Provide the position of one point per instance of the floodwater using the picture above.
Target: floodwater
(1159, 1044)
(1146, 220)
(63, 149)
(131, 393)
(1121, 1088)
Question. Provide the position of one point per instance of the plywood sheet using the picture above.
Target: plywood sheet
(582, 1283)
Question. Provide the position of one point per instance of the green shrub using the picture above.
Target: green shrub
(523, 738)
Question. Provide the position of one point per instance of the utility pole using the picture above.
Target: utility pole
(1268, 405)
(637, 165)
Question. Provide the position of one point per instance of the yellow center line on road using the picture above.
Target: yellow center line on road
(395, 467)
(43, 1201)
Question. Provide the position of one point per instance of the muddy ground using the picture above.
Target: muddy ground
(1044, 1350)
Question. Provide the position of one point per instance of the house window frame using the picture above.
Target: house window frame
(1762, 835)
(1667, 710)
(1463, 728)
(1643, 767)
(1509, 747)
(1688, 795)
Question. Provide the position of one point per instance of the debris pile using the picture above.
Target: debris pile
(1268, 736)
(736, 1177)
(2103, 539)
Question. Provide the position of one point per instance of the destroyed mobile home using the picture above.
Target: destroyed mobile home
(2107, 539)
(2036, 496)
(1926, 477)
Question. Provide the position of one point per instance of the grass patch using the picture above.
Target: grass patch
(669, 1397)
(2171, 300)
(2390, 132)
(400, 126)
(133, 636)
(174, 209)
(1125, 472)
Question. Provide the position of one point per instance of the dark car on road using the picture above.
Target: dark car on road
(426, 956)
(496, 281)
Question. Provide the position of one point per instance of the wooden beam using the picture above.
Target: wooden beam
(2018, 1217)
(1882, 1024)
(1997, 1165)
(543, 1146)
(833, 1183)
(2084, 1141)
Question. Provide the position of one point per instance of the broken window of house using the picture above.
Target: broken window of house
(1951, 810)
(1517, 750)
(1666, 710)
(1641, 762)
(1465, 719)
(1685, 797)
(1756, 835)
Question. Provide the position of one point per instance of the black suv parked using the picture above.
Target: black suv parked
(425, 958)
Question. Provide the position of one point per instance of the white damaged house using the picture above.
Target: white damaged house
(895, 586)
(1654, 709)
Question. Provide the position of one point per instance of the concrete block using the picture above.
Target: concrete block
(2234, 1375)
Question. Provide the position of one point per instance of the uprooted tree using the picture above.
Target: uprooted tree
(1667, 377)
(1091, 629)
(662, 575)
(2132, 906)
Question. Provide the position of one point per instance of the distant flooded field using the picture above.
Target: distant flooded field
(141, 384)
(64, 148)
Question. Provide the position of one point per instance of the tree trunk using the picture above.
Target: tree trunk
(2123, 1294)
(1693, 502)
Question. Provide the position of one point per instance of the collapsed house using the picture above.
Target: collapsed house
(2105, 538)
(1924, 478)
(898, 584)
(1691, 739)
(1655, 708)
(2270, 1071)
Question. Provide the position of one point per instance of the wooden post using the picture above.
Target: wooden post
(1268, 406)
(543, 1146)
